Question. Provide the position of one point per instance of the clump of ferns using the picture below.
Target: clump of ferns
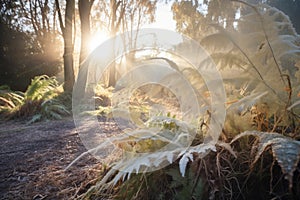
(209, 177)
(191, 172)
(9, 101)
(43, 99)
(265, 50)
(103, 95)
(275, 114)
(165, 183)
(266, 56)
(274, 87)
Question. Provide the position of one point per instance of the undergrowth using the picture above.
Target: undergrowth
(43, 99)
(257, 155)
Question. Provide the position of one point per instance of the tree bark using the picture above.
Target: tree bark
(84, 14)
(67, 31)
(69, 46)
(114, 27)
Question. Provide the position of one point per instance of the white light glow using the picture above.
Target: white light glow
(97, 39)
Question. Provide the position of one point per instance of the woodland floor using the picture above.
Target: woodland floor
(33, 158)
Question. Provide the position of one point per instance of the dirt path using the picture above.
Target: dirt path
(33, 159)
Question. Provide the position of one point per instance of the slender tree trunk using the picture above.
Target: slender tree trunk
(69, 46)
(84, 7)
(84, 14)
(113, 28)
(67, 31)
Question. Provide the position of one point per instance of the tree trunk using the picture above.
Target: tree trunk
(69, 46)
(84, 14)
(113, 28)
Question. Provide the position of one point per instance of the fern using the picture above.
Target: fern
(41, 87)
(264, 51)
(43, 99)
(133, 162)
(285, 150)
(9, 101)
(163, 141)
(260, 64)
(184, 185)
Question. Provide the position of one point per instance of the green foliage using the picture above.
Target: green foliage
(24, 55)
(41, 87)
(43, 99)
(160, 145)
(186, 187)
(103, 95)
(162, 184)
(150, 186)
(9, 100)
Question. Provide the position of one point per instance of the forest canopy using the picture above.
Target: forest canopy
(31, 30)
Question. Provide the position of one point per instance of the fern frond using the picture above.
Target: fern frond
(294, 105)
(229, 60)
(285, 150)
(41, 87)
(245, 103)
(217, 43)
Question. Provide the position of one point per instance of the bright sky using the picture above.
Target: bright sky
(163, 19)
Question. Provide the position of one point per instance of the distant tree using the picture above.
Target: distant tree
(29, 41)
(113, 17)
(189, 19)
(194, 18)
(222, 12)
(38, 14)
(13, 48)
(117, 16)
(10, 14)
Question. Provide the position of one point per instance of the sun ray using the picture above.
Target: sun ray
(97, 39)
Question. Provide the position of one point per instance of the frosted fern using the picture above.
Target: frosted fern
(285, 150)
(264, 50)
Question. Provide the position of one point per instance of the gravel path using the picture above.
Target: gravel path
(33, 158)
